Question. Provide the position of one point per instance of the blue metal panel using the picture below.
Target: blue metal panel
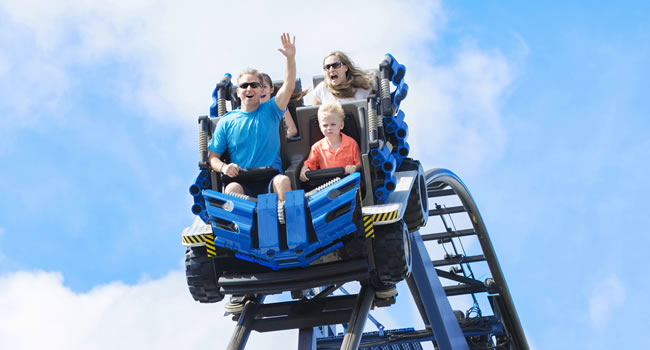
(397, 127)
(196, 190)
(267, 220)
(332, 209)
(294, 209)
(231, 218)
(398, 70)
(383, 160)
(214, 107)
(399, 94)
(436, 305)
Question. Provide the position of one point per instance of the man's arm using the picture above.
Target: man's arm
(289, 51)
(217, 165)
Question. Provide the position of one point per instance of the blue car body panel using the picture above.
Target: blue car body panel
(251, 229)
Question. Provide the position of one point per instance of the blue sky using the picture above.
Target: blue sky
(540, 108)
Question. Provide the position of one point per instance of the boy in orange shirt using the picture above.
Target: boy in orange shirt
(336, 149)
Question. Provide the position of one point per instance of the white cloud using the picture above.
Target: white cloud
(176, 52)
(607, 296)
(158, 314)
(154, 314)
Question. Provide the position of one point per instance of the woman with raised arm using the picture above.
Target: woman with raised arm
(268, 91)
(343, 80)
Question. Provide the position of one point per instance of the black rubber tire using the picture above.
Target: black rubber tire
(202, 276)
(392, 250)
(417, 207)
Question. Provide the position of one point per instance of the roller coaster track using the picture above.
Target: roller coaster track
(443, 183)
(432, 284)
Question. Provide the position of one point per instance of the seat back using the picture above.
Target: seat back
(351, 128)
(296, 150)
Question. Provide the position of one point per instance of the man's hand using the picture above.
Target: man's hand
(231, 169)
(349, 169)
(288, 47)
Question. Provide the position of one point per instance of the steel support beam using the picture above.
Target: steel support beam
(245, 324)
(433, 300)
(354, 332)
(306, 339)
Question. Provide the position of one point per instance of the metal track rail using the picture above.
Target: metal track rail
(441, 183)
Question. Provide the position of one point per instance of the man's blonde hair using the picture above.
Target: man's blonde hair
(251, 71)
(331, 107)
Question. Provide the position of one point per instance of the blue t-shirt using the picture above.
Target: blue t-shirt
(252, 139)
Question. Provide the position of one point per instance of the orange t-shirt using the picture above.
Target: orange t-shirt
(321, 155)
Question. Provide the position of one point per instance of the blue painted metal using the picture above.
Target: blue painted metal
(231, 218)
(196, 190)
(215, 95)
(439, 313)
(385, 163)
(332, 209)
(396, 127)
(267, 219)
(251, 229)
(399, 94)
(397, 70)
(295, 217)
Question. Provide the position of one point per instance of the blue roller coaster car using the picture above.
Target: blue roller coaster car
(335, 229)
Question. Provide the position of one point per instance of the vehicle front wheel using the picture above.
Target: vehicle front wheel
(202, 275)
(392, 250)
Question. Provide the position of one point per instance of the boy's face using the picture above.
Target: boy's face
(330, 124)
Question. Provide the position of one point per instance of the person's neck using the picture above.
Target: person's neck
(247, 108)
(334, 141)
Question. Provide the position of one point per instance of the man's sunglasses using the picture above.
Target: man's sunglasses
(335, 65)
(254, 85)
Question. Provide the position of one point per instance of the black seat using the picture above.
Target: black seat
(350, 128)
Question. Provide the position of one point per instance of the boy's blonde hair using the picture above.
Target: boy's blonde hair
(331, 107)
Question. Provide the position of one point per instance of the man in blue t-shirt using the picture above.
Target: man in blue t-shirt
(251, 134)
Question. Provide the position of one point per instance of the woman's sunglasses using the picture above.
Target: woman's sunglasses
(335, 65)
(254, 85)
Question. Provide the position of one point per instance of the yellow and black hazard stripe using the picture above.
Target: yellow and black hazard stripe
(391, 215)
(209, 247)
(368, 226)
(207, 238)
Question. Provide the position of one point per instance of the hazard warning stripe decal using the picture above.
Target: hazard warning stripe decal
(368, 226)
(391, 215)
(202, 238)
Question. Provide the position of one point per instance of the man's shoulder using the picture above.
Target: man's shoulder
(232, 115)
(269, 106)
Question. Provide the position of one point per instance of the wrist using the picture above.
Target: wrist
(221, 167)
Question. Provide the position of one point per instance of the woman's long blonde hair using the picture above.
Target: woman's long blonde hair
(355, 78)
